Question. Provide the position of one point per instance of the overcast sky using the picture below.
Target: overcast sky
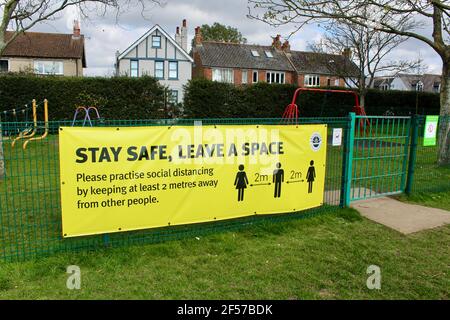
(105, 35)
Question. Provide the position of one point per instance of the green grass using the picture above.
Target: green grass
(324, 257)
(435, 200)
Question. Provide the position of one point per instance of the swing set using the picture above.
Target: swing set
(290, 115)
(87, 117)
(30, 130)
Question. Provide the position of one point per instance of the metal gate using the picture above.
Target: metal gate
(380, 156)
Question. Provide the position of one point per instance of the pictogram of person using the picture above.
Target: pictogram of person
(241, 182)
(278, 179)
(311, 176)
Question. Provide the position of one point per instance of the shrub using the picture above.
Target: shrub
(116, 98)
(204, 98)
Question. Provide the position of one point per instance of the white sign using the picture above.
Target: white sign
(337, 137)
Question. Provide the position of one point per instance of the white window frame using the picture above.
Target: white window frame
(419, 86)
(276, 77)
(132, 74)
(244, 79)
(255, 53)
(312, 80)
(173, 96)
(153, 41)
(171, 63)
(255, 72)
(225, 75)
(7, 64)
(268, 54)
(41, 65)
(384, 87)
(157, 62)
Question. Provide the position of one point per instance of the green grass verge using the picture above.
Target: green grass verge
(435, 200)
(324, 257)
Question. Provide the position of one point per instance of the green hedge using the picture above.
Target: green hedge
(116, 98)
(204, 98)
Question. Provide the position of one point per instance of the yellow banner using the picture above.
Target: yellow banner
(120, 179)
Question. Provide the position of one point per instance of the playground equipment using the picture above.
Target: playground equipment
(87, 117)
(290, 115)
(29, 129)
(46, 127)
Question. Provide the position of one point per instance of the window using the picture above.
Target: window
(384, 87)
(223, 75)
(156, 41)
(49, 67)
(255, 53)
(173, 70)
(336, 82)
(275, 77)
(436, 86)
(134, 68)
(159, 69)
(312, 80)
(173, 96)
(329, 82)
(419, 86)
(268, 54)
(244, 76)
(4, 65)
(255, 76)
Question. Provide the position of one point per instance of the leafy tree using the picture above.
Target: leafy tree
(220, 32)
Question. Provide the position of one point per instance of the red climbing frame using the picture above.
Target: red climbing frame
(290, 114)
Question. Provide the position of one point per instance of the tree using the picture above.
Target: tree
(22, 15)
(406, 18)
(220, 32)
(366, 48)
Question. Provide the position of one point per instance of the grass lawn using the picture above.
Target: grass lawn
(434, 200)
(324, 257)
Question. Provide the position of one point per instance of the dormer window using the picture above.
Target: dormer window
(268, 54)
(255, 53)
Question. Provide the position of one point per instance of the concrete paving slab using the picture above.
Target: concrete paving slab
(403, 217)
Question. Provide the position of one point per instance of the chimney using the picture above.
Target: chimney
(347, 52)
(286, 47)
(276, 43)
(76, 29)
(184, 35)
(178, 36)
(198, 37)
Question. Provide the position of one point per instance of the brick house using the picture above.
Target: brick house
(247, 64)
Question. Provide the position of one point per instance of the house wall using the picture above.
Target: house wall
(72, 67)
(323, 80)
(146, 57)
(206, 72)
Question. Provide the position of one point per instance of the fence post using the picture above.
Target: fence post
(346, 181)
(2, 157)
(412, 153)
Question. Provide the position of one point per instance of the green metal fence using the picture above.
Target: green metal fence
(368, 163)
(428, 175)
(380, 156)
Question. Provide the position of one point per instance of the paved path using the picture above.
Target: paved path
(403, 217)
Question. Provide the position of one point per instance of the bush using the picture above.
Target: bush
(208, 99)
(116, 98)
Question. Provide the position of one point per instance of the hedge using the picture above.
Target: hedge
(116, 98)
(204, 98)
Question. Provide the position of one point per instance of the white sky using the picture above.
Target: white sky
(105, 35)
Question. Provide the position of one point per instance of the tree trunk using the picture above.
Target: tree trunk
(444, 127)
(2, 158)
